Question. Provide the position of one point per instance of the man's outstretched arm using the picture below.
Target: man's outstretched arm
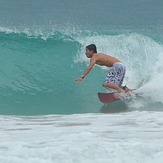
(87, 70)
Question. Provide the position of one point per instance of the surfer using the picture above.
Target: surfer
(114, 77)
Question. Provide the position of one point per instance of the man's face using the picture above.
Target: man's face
(89, 53)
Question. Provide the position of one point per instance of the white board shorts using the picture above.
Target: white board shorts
(116, 74)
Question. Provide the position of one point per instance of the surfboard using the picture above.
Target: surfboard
(111, 97)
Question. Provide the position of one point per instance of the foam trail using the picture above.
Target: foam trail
(118, 138)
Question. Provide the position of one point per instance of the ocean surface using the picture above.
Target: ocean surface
(45, 116)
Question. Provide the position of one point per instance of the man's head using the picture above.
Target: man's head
(90, 50)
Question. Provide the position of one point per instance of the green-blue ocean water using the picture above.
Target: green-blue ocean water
(42, 46)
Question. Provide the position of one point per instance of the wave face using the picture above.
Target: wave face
(38, 69)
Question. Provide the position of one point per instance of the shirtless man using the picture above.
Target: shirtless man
(114, 78)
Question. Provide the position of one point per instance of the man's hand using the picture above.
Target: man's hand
(79, 79)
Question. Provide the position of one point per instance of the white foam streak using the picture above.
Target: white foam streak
(126, 137)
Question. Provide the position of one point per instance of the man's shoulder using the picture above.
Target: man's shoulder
(98, 54)
(101, 55)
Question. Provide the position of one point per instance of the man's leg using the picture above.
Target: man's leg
(113, 86)
(115, 77)
(125, 88)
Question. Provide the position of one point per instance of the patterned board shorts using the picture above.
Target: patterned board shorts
(116, 74)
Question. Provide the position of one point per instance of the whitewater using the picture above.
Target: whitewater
(135, 137)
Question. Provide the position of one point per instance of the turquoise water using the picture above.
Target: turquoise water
(38, 69)
(37, 75)
(42, 51)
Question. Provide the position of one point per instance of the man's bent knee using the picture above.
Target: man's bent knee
(105, 84)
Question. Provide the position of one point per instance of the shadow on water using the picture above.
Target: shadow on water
(131, 105)
(114, 107)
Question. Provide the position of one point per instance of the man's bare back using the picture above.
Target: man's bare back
(104, 60)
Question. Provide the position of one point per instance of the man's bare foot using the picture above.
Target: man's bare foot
(125, 88)
(119, 90)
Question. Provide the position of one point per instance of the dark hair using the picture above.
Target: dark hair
(92, 47)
